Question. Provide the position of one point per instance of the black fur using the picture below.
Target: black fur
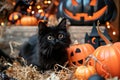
(48, 47)
(4, 58)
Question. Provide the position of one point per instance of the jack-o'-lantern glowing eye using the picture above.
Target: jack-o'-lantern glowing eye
(93, 2)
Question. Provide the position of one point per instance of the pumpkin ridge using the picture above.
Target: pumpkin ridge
(116, 49)
(85, 50)
(114, 60)
(110, 54)
(91, 70)
(88, 47)
(84, 72)
(87, 71)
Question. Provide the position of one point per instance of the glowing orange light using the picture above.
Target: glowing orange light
(45, 2)
(90, 16)
(38, 6)
(30, 7)
(33, 12)
(40, 11)
(14, 3)
(107, 23)
(42, 14)
(114, 33)
(15, 17)
(28, 10)
(108, 26)
(2, 23)
(49, 2)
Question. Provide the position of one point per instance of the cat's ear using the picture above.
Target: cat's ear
(41, 26)
(62, 23)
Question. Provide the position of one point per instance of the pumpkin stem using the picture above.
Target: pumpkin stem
(63, 67)
(103, 66)
(101, 34)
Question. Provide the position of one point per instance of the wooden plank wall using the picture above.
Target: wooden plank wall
(116, 23)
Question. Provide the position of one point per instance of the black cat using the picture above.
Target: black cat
(48, 47)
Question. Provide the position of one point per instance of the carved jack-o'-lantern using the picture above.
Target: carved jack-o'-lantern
(14, 17)
(86, 11)
(77, 53)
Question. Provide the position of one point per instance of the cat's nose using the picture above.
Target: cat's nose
(56, 40)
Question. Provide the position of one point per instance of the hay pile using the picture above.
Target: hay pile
(18, 71)
(30, 72)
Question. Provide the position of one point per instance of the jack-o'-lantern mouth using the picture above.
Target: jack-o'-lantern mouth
(86, 17)
(79, 61)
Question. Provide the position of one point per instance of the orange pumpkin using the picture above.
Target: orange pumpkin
(108, 58)
(28, 21)
(18, 23)
(84, 72)
(77, 53)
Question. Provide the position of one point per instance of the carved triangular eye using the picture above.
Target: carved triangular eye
(74, 63)
(77, 50)
(71, 54)
(80, 61)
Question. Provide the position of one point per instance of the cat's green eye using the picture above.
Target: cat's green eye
(60, 36)
(50, 38)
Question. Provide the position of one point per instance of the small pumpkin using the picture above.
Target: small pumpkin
(77, 53)
(28, 21)
(108, 58)
(84, 72)
(14, 17)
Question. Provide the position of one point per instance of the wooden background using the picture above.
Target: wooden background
(21, 34)
(116, 23)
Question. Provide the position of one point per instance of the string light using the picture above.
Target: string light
(49, 2)
(38, 7)
(111, 29)
(40, 11)
(30, 7)
(33, 12)
(2, 23)
(114, 33)
(108, 25)
(45, 2)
